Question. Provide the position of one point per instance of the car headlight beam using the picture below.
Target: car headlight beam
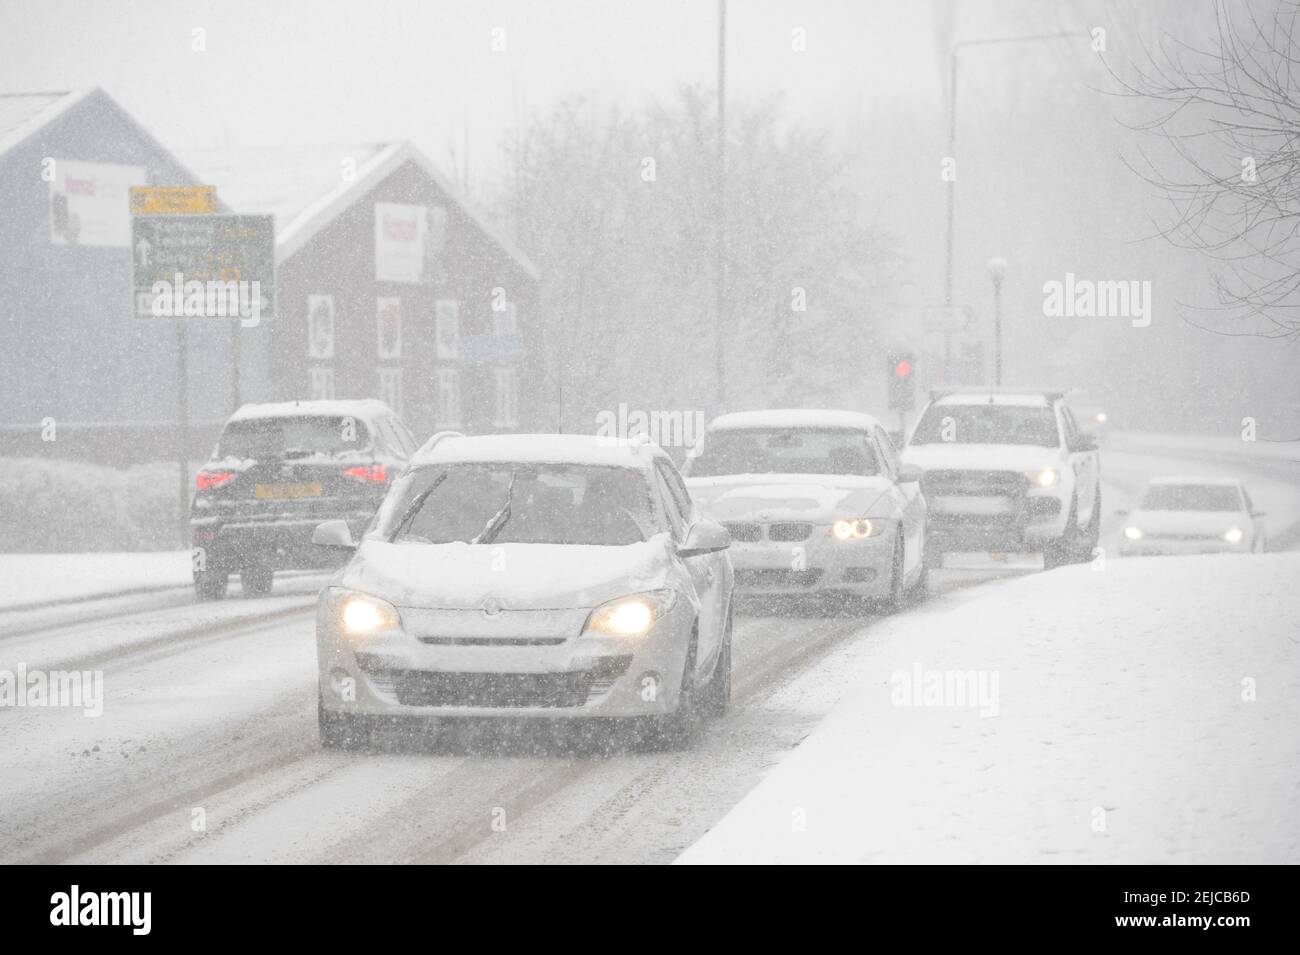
(631, 616)
(1133, 533)
(361, 615)
(855, 528)
(1045, 477)
(1233, 535)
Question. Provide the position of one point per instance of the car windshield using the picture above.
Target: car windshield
(1191, 497)
(508, 503)
(264, 439)
(784, 451)
(987, 424)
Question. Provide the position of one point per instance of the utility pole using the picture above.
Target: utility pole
(721, 199)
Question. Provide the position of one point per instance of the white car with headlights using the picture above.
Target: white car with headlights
(1193, 515)
(814, 501)
(553, 576)
(1007, 470)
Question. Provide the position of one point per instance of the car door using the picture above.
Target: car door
(710, 573)
(908, 497)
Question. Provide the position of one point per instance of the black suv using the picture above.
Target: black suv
(279, 470)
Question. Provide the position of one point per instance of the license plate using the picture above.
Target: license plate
(281, 492)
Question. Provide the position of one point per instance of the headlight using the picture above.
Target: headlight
(1047, 477)
(855, 528)
(1233, 535)
(1132, 533)
(361, 615)
(630, 616)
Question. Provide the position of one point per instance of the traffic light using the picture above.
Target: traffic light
(901, 373)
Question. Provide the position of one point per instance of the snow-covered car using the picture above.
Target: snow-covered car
(521, 576)
(280, 469)
(1007, 470)
(815, 502)
(1193, 515)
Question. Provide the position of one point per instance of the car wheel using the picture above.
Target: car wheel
(1060, 551)
(677, 729)
(717, 692)
(1092, 535)
(897, 595)
(256, 581)
(210, 584)
(341, 730)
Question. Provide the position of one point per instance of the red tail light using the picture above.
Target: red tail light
(207, 480)
(368, 472)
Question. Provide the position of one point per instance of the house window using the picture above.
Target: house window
(448, 398)
(390, 388)
(388, 321)
(507, 398)
(320, 326)
(322, 383)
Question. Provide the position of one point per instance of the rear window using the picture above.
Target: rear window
(1191, 497)
(987, 424)
(784, 451)
(262, 439)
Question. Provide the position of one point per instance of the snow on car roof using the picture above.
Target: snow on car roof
(1031, 400)
(1206, 481)
(794, 418)
(541, 449)
(364, 408)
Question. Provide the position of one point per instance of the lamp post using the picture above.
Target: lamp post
(997, 271)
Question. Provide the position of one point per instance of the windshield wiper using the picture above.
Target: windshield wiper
(405, 521)
(498, 520)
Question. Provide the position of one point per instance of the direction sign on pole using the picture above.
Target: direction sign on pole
(204, 266)
(173, 200)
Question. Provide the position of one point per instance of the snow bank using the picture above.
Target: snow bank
(1148, 712)
(27, 579)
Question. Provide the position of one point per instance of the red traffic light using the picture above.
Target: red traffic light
(903, 369)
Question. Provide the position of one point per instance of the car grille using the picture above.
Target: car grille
(492, 641)
(745, 532)
(788, 531)
(981, 483)
(495, 690)
(776, 577)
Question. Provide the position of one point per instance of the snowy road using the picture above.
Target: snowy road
(206, 750)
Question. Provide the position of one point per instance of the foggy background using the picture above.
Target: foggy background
(833, 177)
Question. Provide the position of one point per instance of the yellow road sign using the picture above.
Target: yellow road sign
(173, 200)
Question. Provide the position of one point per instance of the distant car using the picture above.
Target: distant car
(816, 502)
(528, 576)
(1193, 515)
(1007, 470)
(277, 471)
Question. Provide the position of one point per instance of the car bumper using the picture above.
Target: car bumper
(1011, 524)
(398, 674)
(1169, 548)
(817, 564)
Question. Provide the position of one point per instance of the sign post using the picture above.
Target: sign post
(190, 262)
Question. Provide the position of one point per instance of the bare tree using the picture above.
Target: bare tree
(1230, 113)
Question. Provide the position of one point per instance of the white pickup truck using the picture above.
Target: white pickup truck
(1007, 470)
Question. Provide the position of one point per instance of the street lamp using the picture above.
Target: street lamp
(997, 271)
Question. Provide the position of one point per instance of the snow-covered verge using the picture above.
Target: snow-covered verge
(28, 579)
(1147, 712)
(1276, 449)
(51, 505)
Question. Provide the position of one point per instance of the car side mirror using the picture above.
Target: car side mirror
(334, 534)
(1122, 512)
(705, 536)
(1084, 442)
(910, 474)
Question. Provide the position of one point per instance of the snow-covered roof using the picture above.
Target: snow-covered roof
(1195, 480)
(303, 187)
(794, 418)
(541, 449)
(23, 114)
(367, 409)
